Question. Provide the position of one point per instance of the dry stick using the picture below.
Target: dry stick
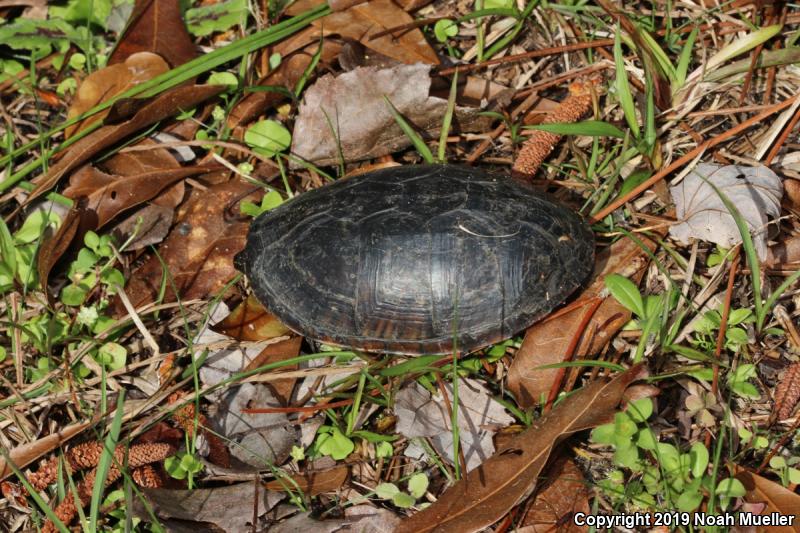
(724, 320)
(787, 130)
(542, 52)
(721, 335)
(593, 305)
(748, 77)
(658, 176)
(299, 409)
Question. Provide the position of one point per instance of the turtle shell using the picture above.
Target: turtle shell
(416, 259)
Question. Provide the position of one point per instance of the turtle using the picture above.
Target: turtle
(416, 259)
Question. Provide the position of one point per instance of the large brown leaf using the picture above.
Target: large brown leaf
(777, 498)
(105, 83)
(361, 22)
(565, 493)
(198, 253)
(109, 195)
(156, 26)
(491, 490)
(547, 342)
(154, 110)
(312, 483)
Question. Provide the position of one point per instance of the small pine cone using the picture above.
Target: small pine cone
(787, 393)
(218, 451)
(147, 476)
(85, 455)
(539, 145)
(79, 457)
(45, 475)
(138, 456)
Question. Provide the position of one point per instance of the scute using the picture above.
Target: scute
(416, 259)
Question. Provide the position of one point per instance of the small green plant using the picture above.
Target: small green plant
(445, 29)
(707, 326)
(217, 17)
(85, 272)
(739, 381)
(332, 442)
(18, 251)
(119, 513)
(268, 137)
(660, 469)
(648, 310)
(717, 256)
(384, 450)
(271, 200)
(753, 439)
(417, 486)
(183, 465)
(786, 469)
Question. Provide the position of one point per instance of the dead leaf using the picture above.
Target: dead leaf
(228, 508)
(250, 321)
(547, 342)
(273, 353)
(198, 253)
(363, 125)
(145, 227)
(105, 83)
(777, 499)
(156, 26)
(363, 518)
(755, 191)
(565, 493)
(255, 439)
(312, 483)
(55, 245)
(109, 195)
(23, 455)
(226, 356)
(156, 109)
(487, 493)
(360, 22)
(421, 415)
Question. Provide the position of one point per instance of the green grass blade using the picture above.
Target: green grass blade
(749, 251)
(416, 140)
(659, 55)
(448, 118)
(683, 61)
(743, 45)
(589, 128)
(301, 83)
(422, 363)
(580, 364)
(623, 87)
(768, 305)
(104, 465)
